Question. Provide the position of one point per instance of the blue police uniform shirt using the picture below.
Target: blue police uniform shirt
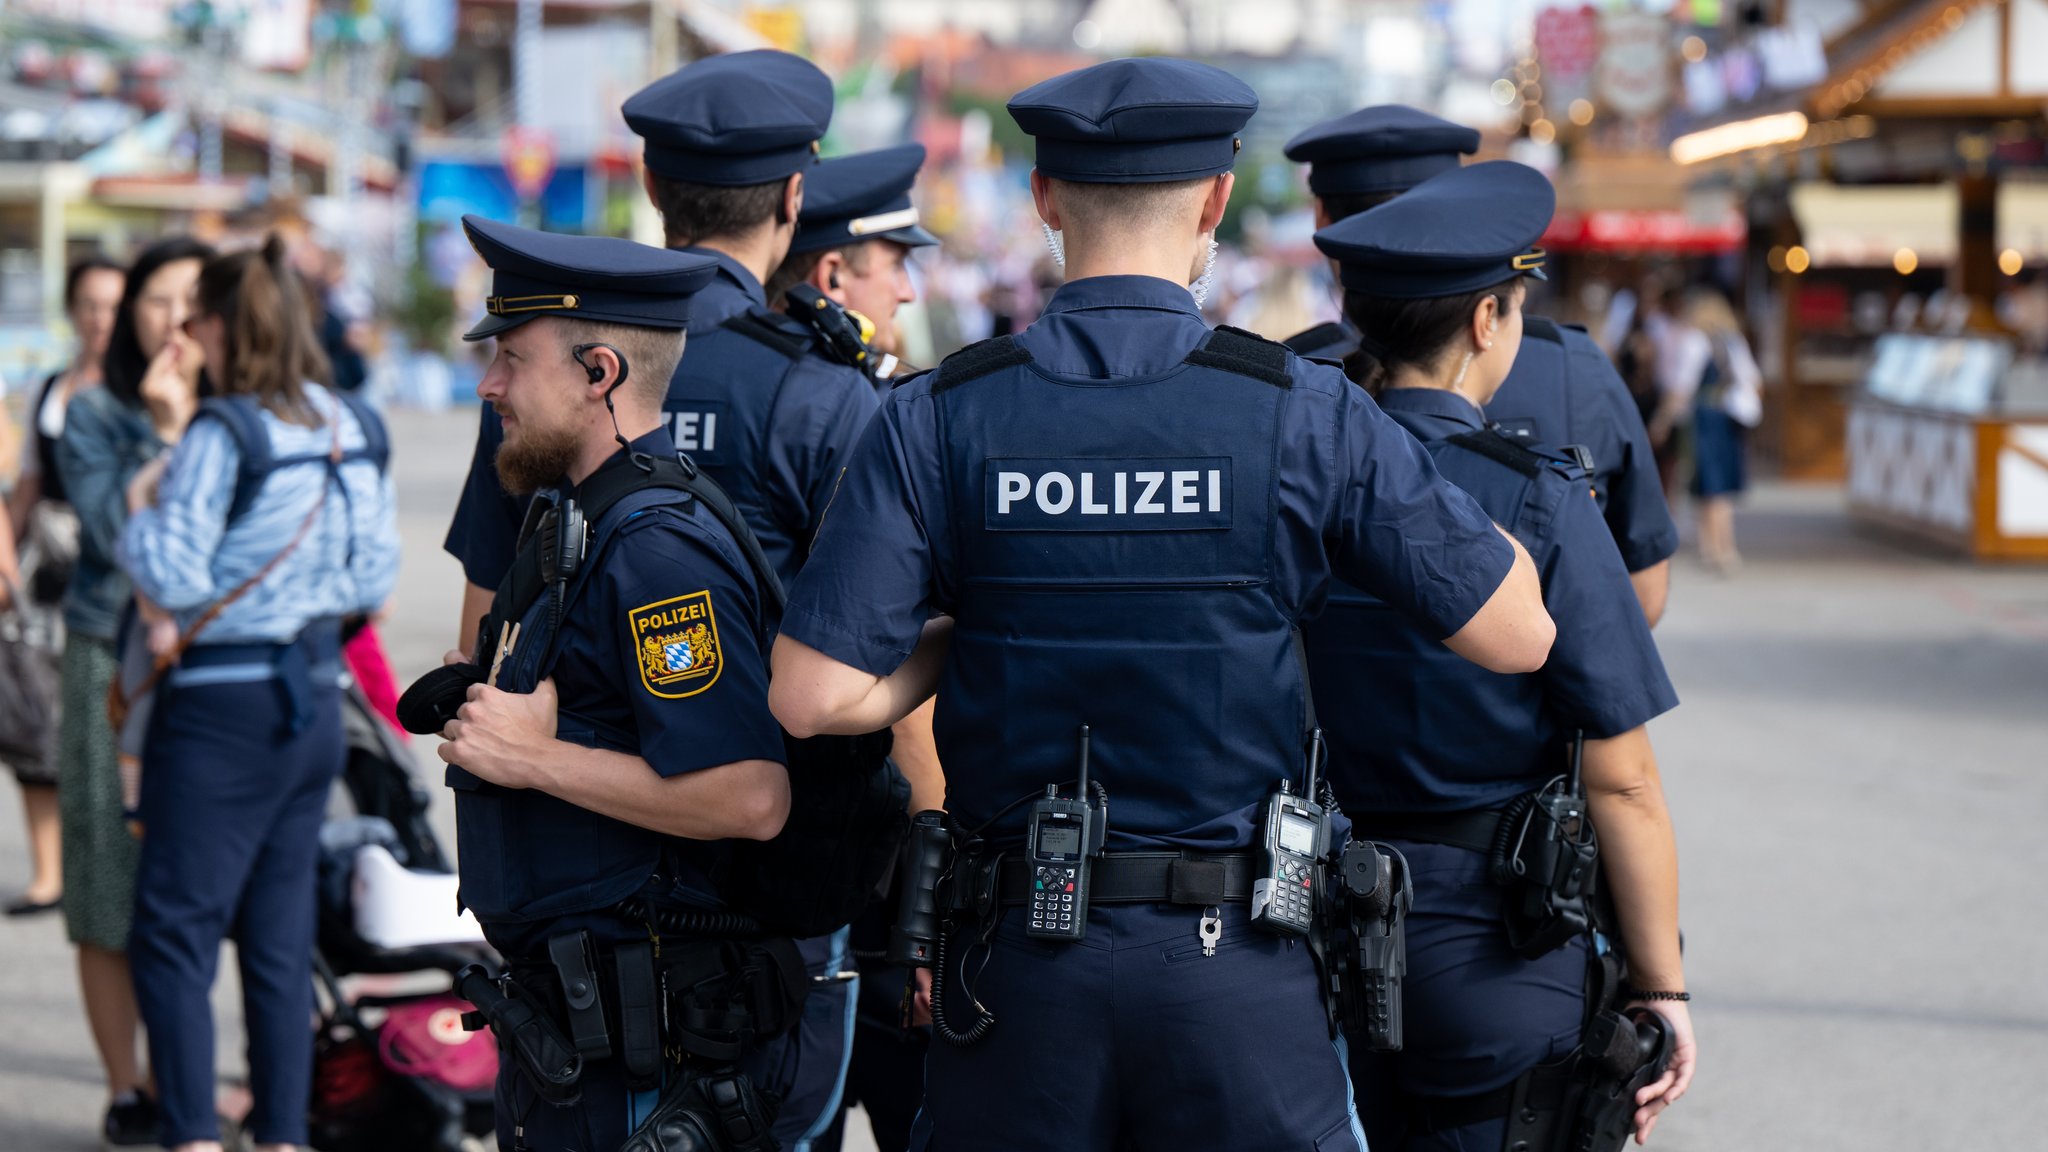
(773, 425)
(668, 572)
(1142, 572)
(1413, 728)
(1563, 389)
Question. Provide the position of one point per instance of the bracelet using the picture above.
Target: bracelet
(1640, 994)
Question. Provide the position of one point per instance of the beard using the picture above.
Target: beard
(537, 458)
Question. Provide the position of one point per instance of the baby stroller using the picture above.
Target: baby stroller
(393, 1068)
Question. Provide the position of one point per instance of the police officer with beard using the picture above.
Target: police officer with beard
(615, 737)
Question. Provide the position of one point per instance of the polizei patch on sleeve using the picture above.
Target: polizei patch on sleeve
(678, 645)
(1153, 494)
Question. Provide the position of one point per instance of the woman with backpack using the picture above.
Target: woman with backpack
(271, 522)
(1719, 388)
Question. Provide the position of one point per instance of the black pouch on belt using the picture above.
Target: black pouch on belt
(639, 1014)
(521, 1024)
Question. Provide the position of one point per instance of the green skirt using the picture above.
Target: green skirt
(99, 854)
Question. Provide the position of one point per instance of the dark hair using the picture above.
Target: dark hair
(122, 369)
(694, 212)
(796, 268)
(1342, 207)
(83, 268)
(1409, 333)
(272, 349)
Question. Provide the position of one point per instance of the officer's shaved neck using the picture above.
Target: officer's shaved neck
(1157, 230)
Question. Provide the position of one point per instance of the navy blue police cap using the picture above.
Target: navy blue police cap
(603, 278)
(1144, 121)
(865, 196)
(733, 120)
(1385, 148)
(1467, 229)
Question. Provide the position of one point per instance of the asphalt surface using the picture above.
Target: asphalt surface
(1857, 775)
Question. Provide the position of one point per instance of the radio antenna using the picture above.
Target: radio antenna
(1081, 790)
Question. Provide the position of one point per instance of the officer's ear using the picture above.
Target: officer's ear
(1048, 204)
(792, 200)
(1217, 200)
(825, 277)
(1486, 320)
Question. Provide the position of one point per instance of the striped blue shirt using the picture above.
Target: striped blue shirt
(183, 555)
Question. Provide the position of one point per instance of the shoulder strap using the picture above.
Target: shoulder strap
(1317, 338)
(762, 330)
(1541, 328)
(1500, 449)
(979, 359)
(1236, 350)
(376, 438)
(243, 418)
(524, 583)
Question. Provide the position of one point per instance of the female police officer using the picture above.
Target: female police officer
(1121, 515)
(1563, 388)
(1426, 749)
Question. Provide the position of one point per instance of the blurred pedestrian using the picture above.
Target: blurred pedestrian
(245, 736)
(1719, 383)
(150, 388)
(46, 530)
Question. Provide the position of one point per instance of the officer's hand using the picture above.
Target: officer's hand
(921, 1000)
(502, 736)
(1665, 1091)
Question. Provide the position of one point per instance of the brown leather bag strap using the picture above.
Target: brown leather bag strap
(119, 701)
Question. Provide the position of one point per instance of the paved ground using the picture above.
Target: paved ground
(1857, 774)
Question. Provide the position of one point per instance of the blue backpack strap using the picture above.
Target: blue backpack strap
(242, 416)
(376, 438)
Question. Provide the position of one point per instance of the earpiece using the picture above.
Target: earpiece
(596, 371)
(832, 280)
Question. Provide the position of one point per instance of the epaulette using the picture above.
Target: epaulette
(1245, 353)
(979, 359)
(1316, 339)
(763, 330)
(1542, 328)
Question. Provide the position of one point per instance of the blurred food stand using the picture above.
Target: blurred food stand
(1895, 219)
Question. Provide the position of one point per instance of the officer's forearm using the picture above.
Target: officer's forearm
(747, 799)
(1639, 855)
(917, 756)
(812, 693)
(1653, 589)
(1511, 633)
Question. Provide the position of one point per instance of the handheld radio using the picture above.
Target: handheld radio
(1547, 860)
(1063, 837)
(1295, 837)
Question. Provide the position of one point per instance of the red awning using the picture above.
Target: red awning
(1644, 230)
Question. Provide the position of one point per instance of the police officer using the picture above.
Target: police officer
(1120, 515)
(847, 273)
(621, 735)
(852, 249)
(1426, 750)
(1563, 390)
(763, 405)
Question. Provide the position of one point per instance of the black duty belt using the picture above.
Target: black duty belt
(1474, 829)
(1147, 878)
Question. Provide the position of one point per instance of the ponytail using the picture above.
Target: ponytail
(1397, 333)
(272, 349)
